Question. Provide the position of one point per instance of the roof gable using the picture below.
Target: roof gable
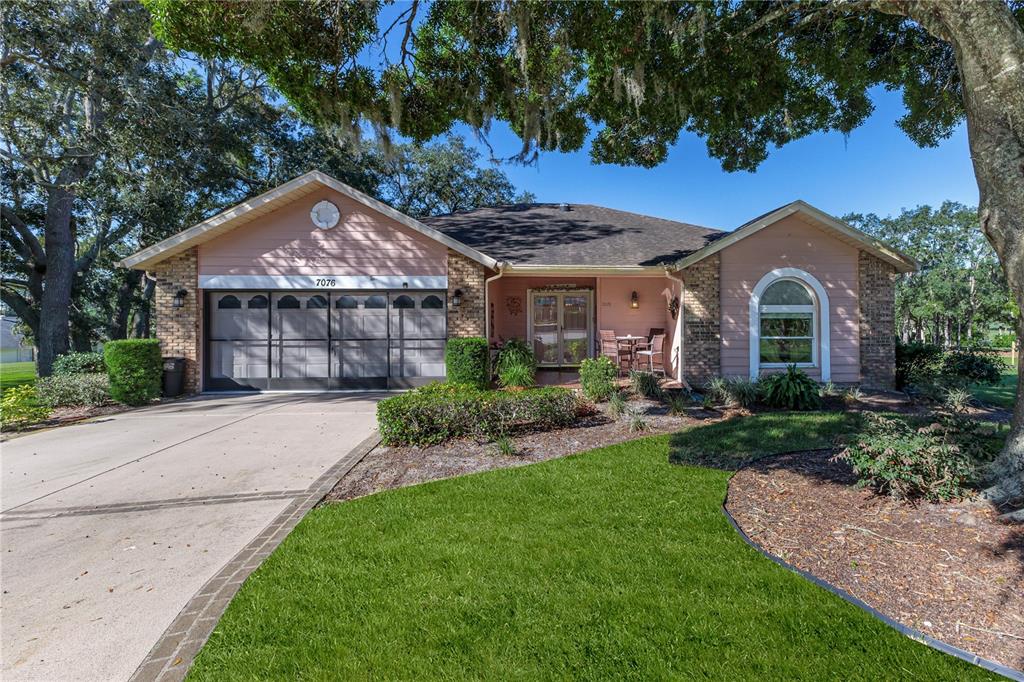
(816, 217)
(247, 211)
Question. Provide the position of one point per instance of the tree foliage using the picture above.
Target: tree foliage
(110, 142)
(960, 294)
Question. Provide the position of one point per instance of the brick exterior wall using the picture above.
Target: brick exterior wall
(179, 329)
(877, 292)
(701, 310)
(466, 274)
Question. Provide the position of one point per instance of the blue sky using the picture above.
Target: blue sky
(876, 169)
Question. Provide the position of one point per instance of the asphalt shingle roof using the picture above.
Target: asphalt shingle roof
(545, 234)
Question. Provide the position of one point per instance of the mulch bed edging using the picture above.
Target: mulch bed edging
(910, 632)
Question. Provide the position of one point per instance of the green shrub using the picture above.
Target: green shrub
(892, 457)
(20, 406)
(917, 363)
(79, 363)
(970, 366)
(636, 420)
(440, 412)
(597, 377)
(71, 390)
(505, 447)
(792, 390)
(740, 392)
(616, 405)
(135, 369)
(677, 401)
(466, 361)
(516, 365)
(645, 384)
(715, 390)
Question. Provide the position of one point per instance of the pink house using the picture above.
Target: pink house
(317, 286)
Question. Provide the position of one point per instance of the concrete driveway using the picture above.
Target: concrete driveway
(108, 528)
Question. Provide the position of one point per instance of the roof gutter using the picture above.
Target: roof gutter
(586, 270)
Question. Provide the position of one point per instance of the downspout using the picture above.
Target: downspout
(487, 302)
(677, 336)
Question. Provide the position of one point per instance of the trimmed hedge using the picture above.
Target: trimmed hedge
(440, 412)
(79, 363)
(466, 361)
(135, 369)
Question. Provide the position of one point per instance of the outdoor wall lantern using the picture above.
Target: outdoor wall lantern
(179, 298)
(634, 301)
(457, 298)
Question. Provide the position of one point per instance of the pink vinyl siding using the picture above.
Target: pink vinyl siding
(285, 242)
(510, 305)
(791, 243)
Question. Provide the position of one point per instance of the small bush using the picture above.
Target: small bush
(636, 420)
(20, 406)
(79, 363)
(466, 361)
(853, 395)
(892, 457)
(516, 365)
(677, 402)
(597, 376)
(135, 369)
(740, 392)
(72, 390)
(958, 400)
(438, 413)
(504, 446)
(792, 390)
(645, 384)
(969, 366)
(917, 363)
(715, 390)
(616, 405)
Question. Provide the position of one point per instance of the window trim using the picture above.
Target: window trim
(821, 354)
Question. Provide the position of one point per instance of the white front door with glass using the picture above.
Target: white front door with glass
(561, 327)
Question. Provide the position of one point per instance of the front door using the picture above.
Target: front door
(561, 327)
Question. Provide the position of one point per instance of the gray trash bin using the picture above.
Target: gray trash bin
(174, 377)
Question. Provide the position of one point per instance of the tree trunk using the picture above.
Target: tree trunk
(118, 328)
(142, 319)
(989, 47)
(60, 271)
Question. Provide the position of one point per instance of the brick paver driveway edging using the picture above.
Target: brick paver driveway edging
(172, 655)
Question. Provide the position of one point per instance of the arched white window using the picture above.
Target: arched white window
(789, 322)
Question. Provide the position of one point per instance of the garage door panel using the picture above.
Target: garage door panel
(301, 360)
(239, 359)
(361, 359)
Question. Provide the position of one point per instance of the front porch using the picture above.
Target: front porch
(561, 316)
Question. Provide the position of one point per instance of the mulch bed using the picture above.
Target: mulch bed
(396, 467)
(951, 571)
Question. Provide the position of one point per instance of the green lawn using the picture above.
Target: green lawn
(1002, 394)
(16, 373)
(609, 564)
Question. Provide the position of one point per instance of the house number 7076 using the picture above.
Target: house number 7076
(324, 282)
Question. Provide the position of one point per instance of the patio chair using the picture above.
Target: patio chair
(652, 332)
(655, 355)
(619, 353)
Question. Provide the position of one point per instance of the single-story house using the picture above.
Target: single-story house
(315, 285)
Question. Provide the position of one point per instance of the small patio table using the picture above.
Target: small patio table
(631, 341)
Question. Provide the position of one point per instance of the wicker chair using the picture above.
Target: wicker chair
(620, 354)
(655, 355)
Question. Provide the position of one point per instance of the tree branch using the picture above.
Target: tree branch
(25, 234)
